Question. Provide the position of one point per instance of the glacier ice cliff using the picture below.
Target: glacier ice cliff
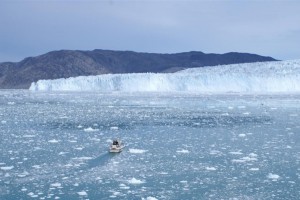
(263, 77)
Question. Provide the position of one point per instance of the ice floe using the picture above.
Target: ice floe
(82, 193)
(183, 151)
(135, 181)
(7, 168)
(137, 151)
(90, 129)
(272, 176)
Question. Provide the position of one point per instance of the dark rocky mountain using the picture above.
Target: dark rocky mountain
(69, 63)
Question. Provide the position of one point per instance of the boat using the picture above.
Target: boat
(116, 146)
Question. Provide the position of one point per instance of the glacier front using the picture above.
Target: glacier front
(261, 77)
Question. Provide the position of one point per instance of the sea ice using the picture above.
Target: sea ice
(183, 151)
(135, 181)
(211, 168)
(274, 177)
(90, 129)
(254, 169)
(82, 193)
(114, 128)
(137, 151)
(7, 168)
(150, 198)
(55, 185)
(53, 141)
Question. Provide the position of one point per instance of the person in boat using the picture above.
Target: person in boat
(115, 142)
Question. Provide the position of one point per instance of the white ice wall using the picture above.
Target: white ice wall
(282, 76)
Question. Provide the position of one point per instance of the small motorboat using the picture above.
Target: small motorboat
(116, 146)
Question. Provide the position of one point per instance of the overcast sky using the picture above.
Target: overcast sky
(265, 27)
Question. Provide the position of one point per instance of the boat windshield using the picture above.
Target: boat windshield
(115, 142)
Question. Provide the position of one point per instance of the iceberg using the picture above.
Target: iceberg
(260, 77)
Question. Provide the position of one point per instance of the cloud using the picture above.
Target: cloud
(35, 27)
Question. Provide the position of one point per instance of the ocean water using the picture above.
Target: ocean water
(178, 146)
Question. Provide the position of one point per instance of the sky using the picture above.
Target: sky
(265, 27)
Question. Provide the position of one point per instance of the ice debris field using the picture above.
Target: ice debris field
(225, 132)
(54, 145)
(265, 77)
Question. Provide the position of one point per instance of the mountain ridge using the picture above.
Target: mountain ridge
(72, 63)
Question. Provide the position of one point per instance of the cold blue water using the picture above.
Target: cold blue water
(178, 146)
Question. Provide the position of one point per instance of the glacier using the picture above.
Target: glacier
(260, 77)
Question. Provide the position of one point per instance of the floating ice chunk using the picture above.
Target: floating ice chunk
(11, 103)
(236, 153)
(55, 185)
(116, 193)
(82, 158)
(211, 168)
(248, 158)
(62, 153)
(183, 151)
(3, 122)
(254, 169)
(114, 128)
(24, 174)
(252, 155)
(30, 194)
(7, 168)
(274, 177)
(135, 181)
(29, 136)
(244, 159)
(215, 152)
(184, 182)
(137, 151)
(90, 129)
(68, 165)
(163, 173)
(53, 141)
(82, 193)
(95, 139)
(242, 135)
(109, 141)
(151, 198)
(124, 187)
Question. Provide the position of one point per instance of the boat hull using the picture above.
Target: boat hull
(118, 150)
